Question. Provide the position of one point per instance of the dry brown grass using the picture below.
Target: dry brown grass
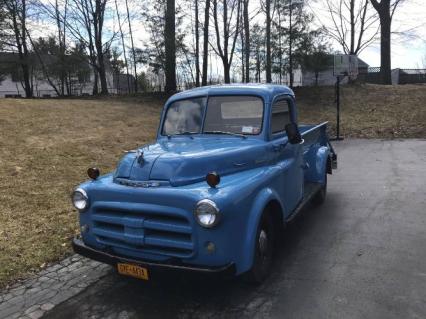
(368, 111)
(46, 146)
(45, 149)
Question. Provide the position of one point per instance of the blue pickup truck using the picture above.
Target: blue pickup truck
(230, 167)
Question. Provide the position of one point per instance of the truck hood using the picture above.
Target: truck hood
(185, 160)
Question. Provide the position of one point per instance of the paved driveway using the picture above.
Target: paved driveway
(361, 255)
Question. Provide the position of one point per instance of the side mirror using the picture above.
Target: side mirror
(293, 133)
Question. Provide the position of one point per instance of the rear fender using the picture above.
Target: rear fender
(322, 155)
(261, 201)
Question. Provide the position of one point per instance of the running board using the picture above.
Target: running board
(311, 189)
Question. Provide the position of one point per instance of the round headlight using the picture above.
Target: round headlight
(80, 199)
(207, 213)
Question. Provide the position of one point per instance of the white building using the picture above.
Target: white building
(327, 77)
(11, 83)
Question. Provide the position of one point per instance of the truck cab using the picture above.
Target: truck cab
(229, 167)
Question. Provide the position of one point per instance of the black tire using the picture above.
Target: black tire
(264, 250)
(319, 197)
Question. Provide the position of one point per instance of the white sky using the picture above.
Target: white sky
(408, 50)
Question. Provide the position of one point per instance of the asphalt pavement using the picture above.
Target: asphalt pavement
(362, 254)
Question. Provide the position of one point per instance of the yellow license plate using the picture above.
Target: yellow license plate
(133, 271)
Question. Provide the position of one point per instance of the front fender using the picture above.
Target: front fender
(260, 202)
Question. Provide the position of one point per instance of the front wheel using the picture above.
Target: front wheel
(264, 250)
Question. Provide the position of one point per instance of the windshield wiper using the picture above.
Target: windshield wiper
(183, 133)
(224, 132)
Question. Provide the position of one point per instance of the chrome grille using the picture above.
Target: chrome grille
(160, 233)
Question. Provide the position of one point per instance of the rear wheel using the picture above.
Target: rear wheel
(319, 197)
(264, 250)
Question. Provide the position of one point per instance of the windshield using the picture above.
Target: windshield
(184, 116)
(223, 114)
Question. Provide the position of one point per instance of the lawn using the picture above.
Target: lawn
(369, 111)
(47, 145)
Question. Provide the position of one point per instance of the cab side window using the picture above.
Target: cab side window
(280, 116)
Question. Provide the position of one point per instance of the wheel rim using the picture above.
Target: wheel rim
(263, 245)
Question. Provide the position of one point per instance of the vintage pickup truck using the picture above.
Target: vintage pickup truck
(229, 168)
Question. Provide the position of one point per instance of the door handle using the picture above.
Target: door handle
(278, 147)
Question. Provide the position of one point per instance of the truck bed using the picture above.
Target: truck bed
(314, 136)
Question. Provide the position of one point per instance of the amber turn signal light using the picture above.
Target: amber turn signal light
(93, 172)
(213, 179)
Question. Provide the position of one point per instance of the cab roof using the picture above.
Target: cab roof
(266, 91)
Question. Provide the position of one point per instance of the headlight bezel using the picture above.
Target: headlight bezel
(84, 195)
(215, 211)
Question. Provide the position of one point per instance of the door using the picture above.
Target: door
(288, 157)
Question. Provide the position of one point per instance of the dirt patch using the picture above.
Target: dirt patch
(47, 145)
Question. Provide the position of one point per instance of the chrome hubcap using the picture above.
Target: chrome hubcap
(263, 243)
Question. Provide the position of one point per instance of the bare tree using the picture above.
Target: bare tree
(86, 24)
(98, 13)
(61, 30)
(123, 45)
(354, 25)
(133, 46)
(268, 65)
(386, 10)
(197, 46)
(230, 32)
(16, 21)
(205, 41)
(170, 47)
(57, 11)
(246, 22)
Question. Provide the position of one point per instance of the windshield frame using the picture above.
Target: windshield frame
(204, 113)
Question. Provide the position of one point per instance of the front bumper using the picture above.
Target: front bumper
(81, 249)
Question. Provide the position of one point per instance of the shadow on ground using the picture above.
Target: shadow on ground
(176, 294)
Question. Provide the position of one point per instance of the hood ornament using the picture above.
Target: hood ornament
(139, 156)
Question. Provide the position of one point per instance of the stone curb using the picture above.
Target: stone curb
(35, 296)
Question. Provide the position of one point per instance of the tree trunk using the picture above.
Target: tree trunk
(101, 68)
(385, 49)
(243, 72)
(170, 47)
(98, 16)
(352, 22)
(226, 74)
(257, 65)
(206, 42)
(197, 47)
(226, 71)
(280, 52)
(95, 90)
(268, 43)
(247, 40)
(384, 10)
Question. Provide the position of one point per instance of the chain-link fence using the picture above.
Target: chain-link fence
(399, 76)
